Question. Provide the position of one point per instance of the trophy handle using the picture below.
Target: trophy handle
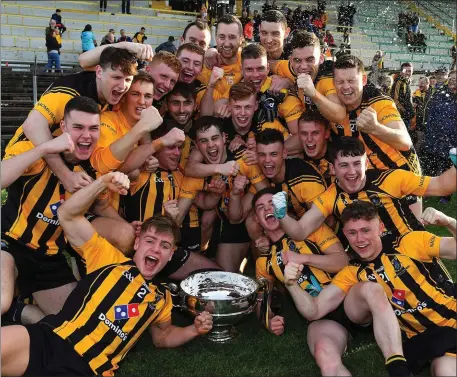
(265, 288)
(175, 292)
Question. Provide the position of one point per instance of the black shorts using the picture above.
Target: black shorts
(339, 315)
(434, 342)
(233, 233)
(179, 258)
(37, 272)
(191, 238)
(50, 355)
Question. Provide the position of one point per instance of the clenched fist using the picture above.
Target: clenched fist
(292, 272)
(217, 186)
(305, 82)
(239, 183)
(431, 216)
(203, 323)
(367, 121)
(173, 137)
(263, 245)
(171, 208)
(216, 74)
(150, 120)
(116, 182)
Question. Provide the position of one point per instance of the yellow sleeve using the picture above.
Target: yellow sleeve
(282, 69)
(324, 237)
(165, 312)
(307, 191)
(387, 111)
(98, 252)
(261, 270)
(324, 202)
(21, 147)
(190, 187)
(52, 104)
(102, 159)
(421, 245)
(252, 172)
(204, 76)
(325, 86)
(216, 96)
(346, 278)
(400, 183)
(292, 108)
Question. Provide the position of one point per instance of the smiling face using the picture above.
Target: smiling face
(164, 78)
(138, 98)
(271, 160)
(407, 71)
(228, 40)
(364, 236)
(242, 113)
(313, 137)
(84, 130)
(272, 35)
(211, 144)
(423, 85)
(181, 109)
(350, 172)
(153, 250)
(199, 37)
(349, 83)
(255, 71)
(192, 65)
(264, 213)
(306, 60)
(112, 84)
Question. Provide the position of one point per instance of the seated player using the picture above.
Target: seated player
(322, 256)
(374, 119)
(313, 76)
(114, 71)
(386, 189)
(31, 232)
(210, 140)
(393, 283)
(112, 306)
(285, 105)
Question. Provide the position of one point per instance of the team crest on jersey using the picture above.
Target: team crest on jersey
(54, 207)
(292, 246)
(399, 269)
(398, 297)
(126, 311)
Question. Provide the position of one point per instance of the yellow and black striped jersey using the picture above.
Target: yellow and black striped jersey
(311, 279)
(52, 103)
(386, 189)
(323, 165)
(380, 154)
(30, 212)
(403, 269)
(110, 308)
(147, 196)
(192, 186)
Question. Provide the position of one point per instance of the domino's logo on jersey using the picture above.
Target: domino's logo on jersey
(54, 207)
(398, 297)
(126, 311)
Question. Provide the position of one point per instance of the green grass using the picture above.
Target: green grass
(257, 353)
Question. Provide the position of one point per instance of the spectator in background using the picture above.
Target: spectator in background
(139, 36)
(414, 23)
(124, 37)
(385, 83)
(350, 11)
(419, 42)
(126, 6)
(53, 47)
(108, 39)
(249, 31)
(347, 41)
(330, 40)
(441, 76)
(401, 93)
(244, 18)
(88, 38)
(168, 46)
(58, 18)
(342, 51)
(419, 108)
(103, 5)
(267, 6)
(256, 23)
(432, 79)
(454, 57)
(440, 132)
(51, 27)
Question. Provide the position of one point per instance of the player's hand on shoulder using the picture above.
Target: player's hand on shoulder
(236, 143)
(250, 157)
(75, 180)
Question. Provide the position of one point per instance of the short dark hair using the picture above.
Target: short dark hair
(228, 19)
(183, 89)
(204, 123)
(162, 224)
(199, 24)
(406, 64)
(192, 47)
(349, 61)
(269, 136)
(115, 58)
(346, 146)
(359, 210)
(267, 190)
(81, 103)
(58, 11)
(253, 51)
(143, 28)
(274, 16)
(313, 115)
(303, 39)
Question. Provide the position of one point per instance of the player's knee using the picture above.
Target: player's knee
(443, 366)
(375, 295)
(207, 219)
(327, 359)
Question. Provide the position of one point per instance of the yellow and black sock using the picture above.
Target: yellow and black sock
(397, 366)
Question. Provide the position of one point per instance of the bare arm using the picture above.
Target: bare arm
(102, 208)
(184, 205)
(292, 126)
(293, 145)
(196, 168)
(330, 107)
(443, 185)
(448, 246)
(308, 224)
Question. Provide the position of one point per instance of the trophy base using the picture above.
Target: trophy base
(222, 334)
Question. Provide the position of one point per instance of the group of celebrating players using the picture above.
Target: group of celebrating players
(259, 149)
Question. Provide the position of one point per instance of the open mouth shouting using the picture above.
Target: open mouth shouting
(159, 92)
(271, 219)
(269, 170)
(213, 154)
(116, 96)
(150, 262)
(243, 121)
(187, 77)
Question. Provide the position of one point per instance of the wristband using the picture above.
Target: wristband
(157, 144)
(280, 204)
